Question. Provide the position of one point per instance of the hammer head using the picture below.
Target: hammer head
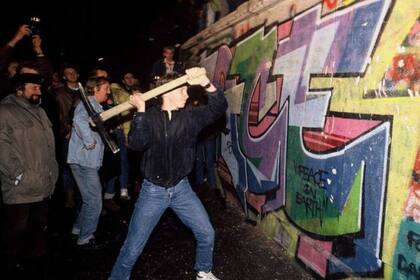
(97, 122)
(99, 126)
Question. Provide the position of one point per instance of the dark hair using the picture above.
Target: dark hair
(67, 66)
(125, 72)
(31, 64)
(97, 68)
(170, 48)
(94, 82)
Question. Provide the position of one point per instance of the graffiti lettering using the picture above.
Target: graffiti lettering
(309, 175)
(413, 239)
(314, 206)
(408, 269)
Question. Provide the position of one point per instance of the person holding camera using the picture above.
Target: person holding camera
(45, 68)
(7, 50)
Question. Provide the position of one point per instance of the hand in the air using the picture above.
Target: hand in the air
(21, 32)
(36, 44)
(137, 101)
(197, 76)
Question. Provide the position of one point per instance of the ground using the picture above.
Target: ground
(242, 251)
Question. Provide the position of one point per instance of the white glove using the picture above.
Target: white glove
(197, 76)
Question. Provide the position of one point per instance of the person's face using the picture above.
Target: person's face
(11, 69)
(32, 92)
(168, 54)
(177, 98)
(129, 80)
(56, 78)
(102, 92)
(71, 75)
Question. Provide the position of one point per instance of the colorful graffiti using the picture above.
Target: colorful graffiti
(407, 252)
(332, 5)
(306, 145)
(402, 79)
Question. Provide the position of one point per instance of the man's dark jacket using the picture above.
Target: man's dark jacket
(169, 145)
(159, 68)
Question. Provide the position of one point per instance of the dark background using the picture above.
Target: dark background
(80, 32)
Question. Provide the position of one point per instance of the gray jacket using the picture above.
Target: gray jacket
(26, 148)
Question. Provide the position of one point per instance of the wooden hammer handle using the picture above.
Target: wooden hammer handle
(147, 95)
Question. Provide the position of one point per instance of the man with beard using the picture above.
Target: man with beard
(28, 172)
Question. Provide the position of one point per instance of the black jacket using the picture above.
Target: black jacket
(169, 145)
(159, 69)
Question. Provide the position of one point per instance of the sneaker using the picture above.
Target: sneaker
(110, 205)
(124, 195)
(90, 245)
(201, 275)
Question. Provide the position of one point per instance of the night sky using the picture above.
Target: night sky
(80, 32)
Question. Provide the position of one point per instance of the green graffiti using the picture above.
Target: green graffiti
(407, 254)
(249, 55)
(308, 203)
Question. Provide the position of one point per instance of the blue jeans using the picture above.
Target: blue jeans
(123, 159)
(89, 184)
(123, 177)
(151, 204)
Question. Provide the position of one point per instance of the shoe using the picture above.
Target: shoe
(91, 245)
(201, 275)
(110, 205)
(124, 195)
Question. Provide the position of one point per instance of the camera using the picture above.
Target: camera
(34, 25)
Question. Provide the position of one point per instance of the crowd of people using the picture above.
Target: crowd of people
(49, 149)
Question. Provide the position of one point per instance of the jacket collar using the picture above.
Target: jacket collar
(20, 101)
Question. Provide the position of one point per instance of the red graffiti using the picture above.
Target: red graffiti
(331, 4)
(258, 127)
(405, 67)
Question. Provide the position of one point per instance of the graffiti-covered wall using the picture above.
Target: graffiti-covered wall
(324, 117)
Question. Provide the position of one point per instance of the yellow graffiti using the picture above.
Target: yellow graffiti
(348, 96)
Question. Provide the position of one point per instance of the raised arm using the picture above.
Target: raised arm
(140, 134)
(217, 104)
(6, 50)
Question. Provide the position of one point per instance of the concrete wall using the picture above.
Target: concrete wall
(324, 119)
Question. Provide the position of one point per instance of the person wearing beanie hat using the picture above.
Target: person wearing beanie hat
(28, 173)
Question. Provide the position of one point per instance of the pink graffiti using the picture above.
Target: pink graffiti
(256, 126)
(336, 133)
(314, 253)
